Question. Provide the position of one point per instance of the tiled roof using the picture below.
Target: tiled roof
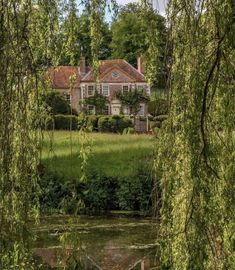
(59, 77)
(107, 65)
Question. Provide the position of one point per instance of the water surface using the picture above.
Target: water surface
(112, 242)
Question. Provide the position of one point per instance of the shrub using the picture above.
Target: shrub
(65, 122)
(57, 104)
(114, 123)
(104, 124)
(154, 124)
(156, 130)
(92, 122)
(150, 118)
(135, 193)
(158, 107)
(123, 123)
(98, 193)
(160, 118)
(128, 130)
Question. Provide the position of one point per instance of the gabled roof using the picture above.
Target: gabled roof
(59, 77)
(107, 66)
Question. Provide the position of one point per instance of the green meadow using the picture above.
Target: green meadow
(111, 154)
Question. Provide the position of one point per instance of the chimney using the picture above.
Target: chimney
(82, 66)
(141, 64)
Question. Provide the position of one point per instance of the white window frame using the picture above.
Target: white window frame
(128, 88)
(108, 93)
(93, 91)
(107, 109)
(140, 88)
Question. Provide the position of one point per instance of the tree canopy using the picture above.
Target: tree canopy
(129, 40)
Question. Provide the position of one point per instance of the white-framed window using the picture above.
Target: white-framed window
(106, 110)
(141, 111)
(125, 89)
(91, 109)
(140, 88)
(105, 90)
(90, 90)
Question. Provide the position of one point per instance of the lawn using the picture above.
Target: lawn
(111, 154)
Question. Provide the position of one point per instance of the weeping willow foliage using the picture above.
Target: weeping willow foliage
(22, 46)
(155, 54)
(196, 151)
(97, 13)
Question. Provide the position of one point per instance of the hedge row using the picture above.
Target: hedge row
(115, 123)
(98, 193)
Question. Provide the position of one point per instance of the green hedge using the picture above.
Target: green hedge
(113, 123)
(160, 118)
(158, 107)
(88, 121)
(66, 122)
(62, 122)
(98, 193)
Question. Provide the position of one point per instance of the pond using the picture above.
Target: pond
(113, 242)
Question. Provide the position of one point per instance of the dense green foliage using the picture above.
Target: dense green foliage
(157, 107)
(99, 102)
(114, 177)
(115, 123)
(98, 193)
(56, 103)
(132, 100)
(22, 50)
(64, 122)
(129, 40)
(195, 151)
(76, 33)
(101, 123)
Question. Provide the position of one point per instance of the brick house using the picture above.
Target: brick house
(114, 76)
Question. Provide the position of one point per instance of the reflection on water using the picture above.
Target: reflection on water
(91, 242)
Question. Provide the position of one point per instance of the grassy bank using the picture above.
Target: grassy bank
(111, 154)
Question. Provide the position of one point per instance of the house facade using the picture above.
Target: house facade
(79, 83)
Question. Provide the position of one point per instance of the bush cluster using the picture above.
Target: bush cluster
(158, 107)
(62, 122)
(114, 123)
(156, 122)
(98, 193)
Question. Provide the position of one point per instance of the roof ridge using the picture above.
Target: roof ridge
(134, 68)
